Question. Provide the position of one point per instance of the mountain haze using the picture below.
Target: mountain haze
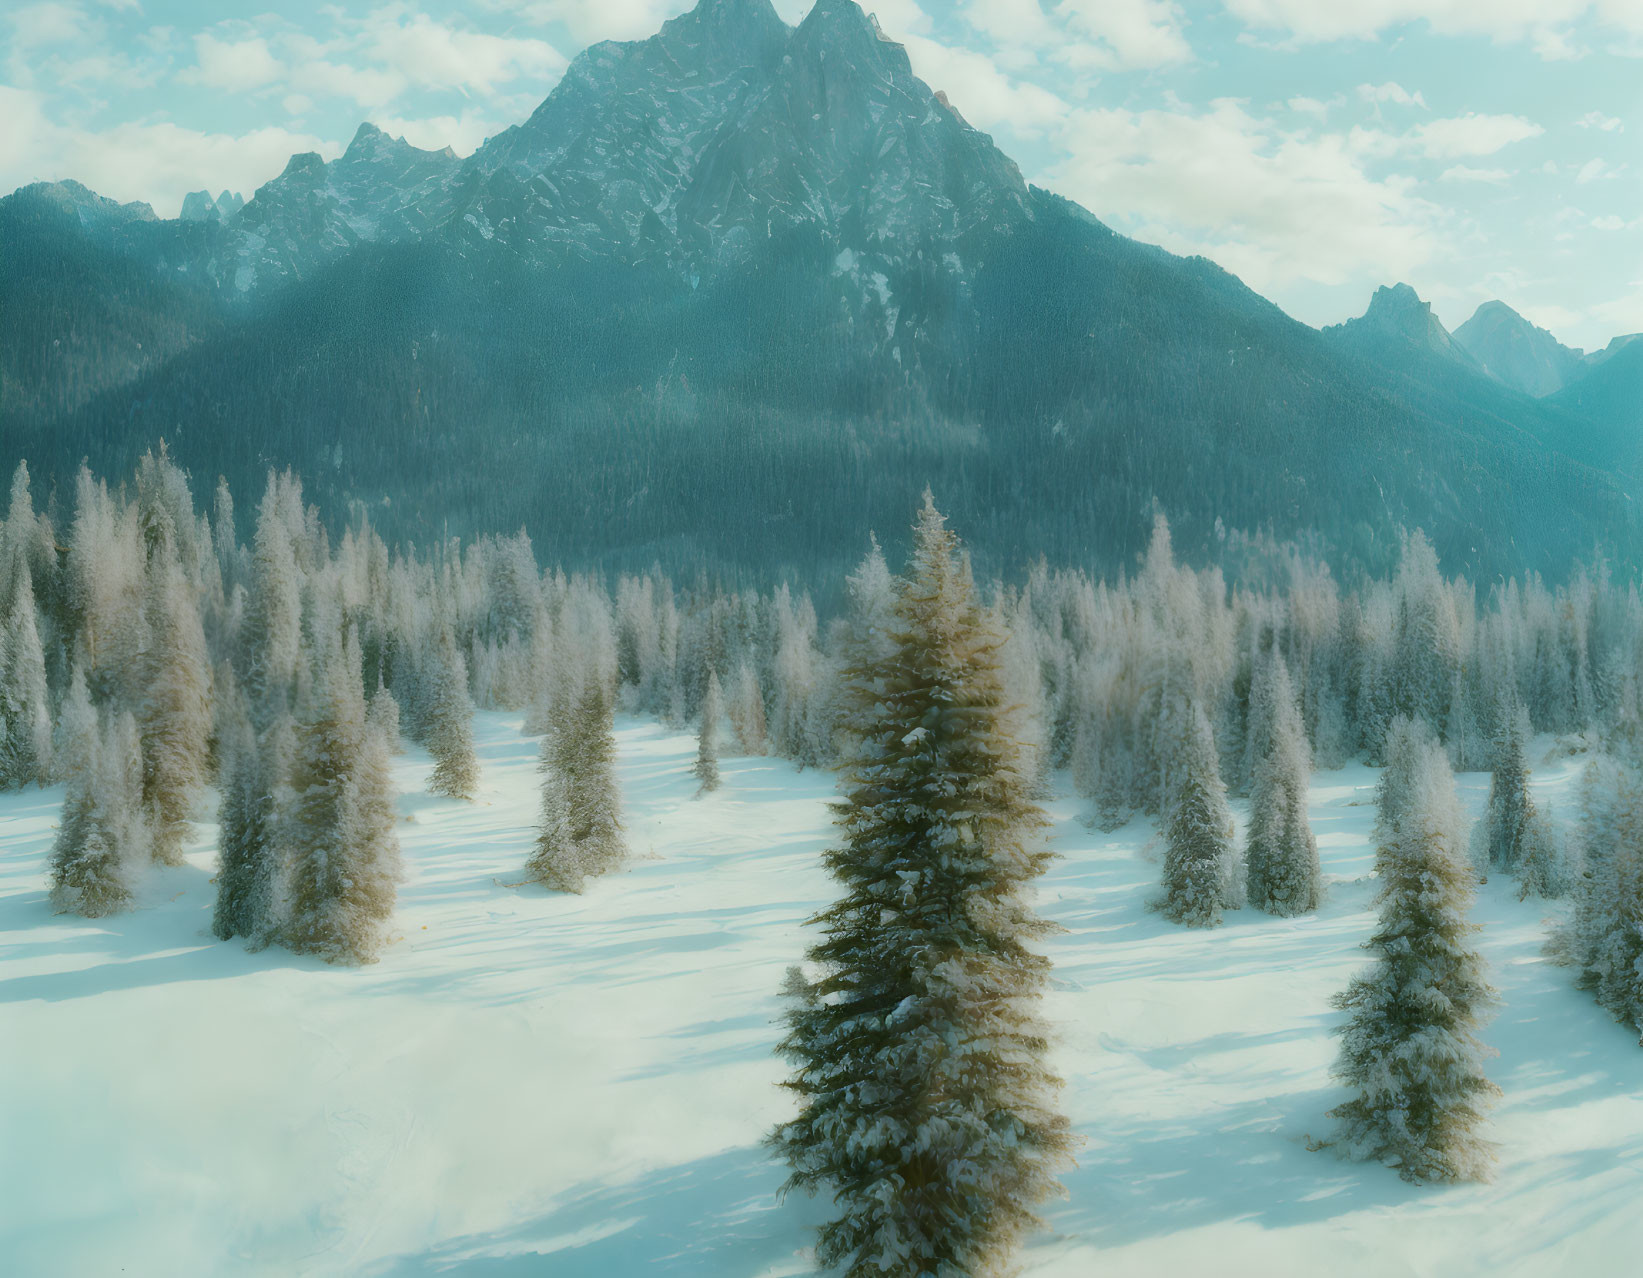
(1514, 351)
(734, 294)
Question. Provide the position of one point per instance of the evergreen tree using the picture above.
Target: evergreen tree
(382, 714)
(248, 833)
(1200, 865)
(1407, 743)
(927, 1109)
(1511, 811)
(25, 709)
(746, 709)
(174, 713)
(1541, 871)
(343, 848)
(272, 633)
(1409, 1048)
(91, 863)
(580, 833)
(450, 726)
(1603, 937)
(707, 739)
(1282, 855)
(1258, 720)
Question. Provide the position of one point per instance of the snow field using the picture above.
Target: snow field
(568, 1086)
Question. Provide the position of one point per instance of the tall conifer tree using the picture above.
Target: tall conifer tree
(450, 725)
(580, 833)
(248, 831)
(1282, 855)
(927, 1108)
(1200, 863)
(344, 851)
(175, 711)
(1409, 1048)
(707, 737)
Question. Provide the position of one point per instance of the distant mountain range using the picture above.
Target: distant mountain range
(734, 294)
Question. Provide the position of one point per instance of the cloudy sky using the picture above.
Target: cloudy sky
(1316, 148)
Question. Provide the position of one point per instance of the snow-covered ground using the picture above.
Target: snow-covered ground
(534, 1084)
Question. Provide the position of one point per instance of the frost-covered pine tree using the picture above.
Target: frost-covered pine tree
(1603, 937)
(1281, 853)
(450, 725)
(174, 713)
(1511, 811)
(382, 713)
(272, 633)
(248, 832)
(1200, 862)
(342, 845)
(1406, 744)
(1541, 871)
(580, 833)
(1409, 1048)
(90, 869)
(746, 709)
(1258, 719)
(25, 703)
(927, 1108)
(707, 737)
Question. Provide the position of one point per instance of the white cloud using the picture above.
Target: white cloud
(1608, 222)
(592, 20)
(432, 55)
(297, 103)
(984, 95)
(1622, 314)
(140, 160)
(1461, 173)
(38, 25)
(369, 88)
(898, 18)
(375, 61)
(1544, 24)
(1595, 170)
(1390, 92)
(1129, 33)
(232, 64)
(1270, 205)
(1012, 22)
(1471, 134)
(1597, 120)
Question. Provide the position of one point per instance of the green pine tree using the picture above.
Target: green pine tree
(927, 1108)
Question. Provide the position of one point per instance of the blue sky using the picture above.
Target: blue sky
(1316, 148)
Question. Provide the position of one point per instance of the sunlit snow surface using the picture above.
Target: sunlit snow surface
(529, 1084)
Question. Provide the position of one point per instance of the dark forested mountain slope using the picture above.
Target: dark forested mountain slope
(1611, 394)
(1514, 351)
(739, 291)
